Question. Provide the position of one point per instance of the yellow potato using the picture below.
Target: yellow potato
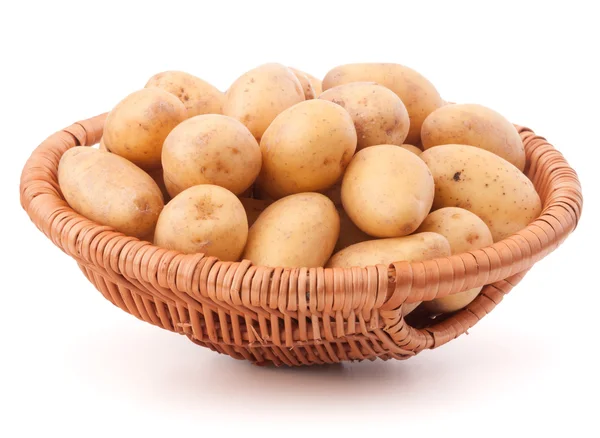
(474, 125)
(316, 84)
(306, 148)
(204, 219)
(418, 94)
(254, 207)
(210, 149)
(198, 96)
(110, 190)
(102, 145)
(387, 191)
(378, 114)
(334, 193)
(309, 92)
(485, 184)
(258, 96)
(297, 231)
(137, 127)
(465, 232)
(349, 233)
(409, 147)
(413, 248)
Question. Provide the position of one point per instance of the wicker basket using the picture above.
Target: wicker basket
(296, 316)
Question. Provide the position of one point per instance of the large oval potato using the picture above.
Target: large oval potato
(474, 125)
(378, 114)
(258, 96)
(198, 96)
(309, 92)
(204, 219)
(306, 148)
(210, 149)
(297, 231)
(110, 190)
(137, 126)
(387, 191)
(465, 232)
(485, 184)
(418, 94)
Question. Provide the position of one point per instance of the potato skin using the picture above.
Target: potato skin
(409, 147)
(349, 233)
(418, 94)
(485, 184)
(465, 232)
(306, 148)
(110, 190)
(474, 125)
(198, 96)
(297, 231)
(387, 191)
(413, 248)
(309, 92)
(259, 95)
(210, 149)
(378, 114)
(253, 208)
(137, 126)
(204, 219)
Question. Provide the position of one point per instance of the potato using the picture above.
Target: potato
(413, 248)
(378, 114)
(316, 84)
(204, 219)
(210, 149)
(418, 94)
(309, 92)
(198, 96)
(334, 193)
(137, 127)
(349, 233)
(157, 176)
(474, 125)
(387, 191)
(409, 147)
(258, 96)
(253, 208)
(306, 148)
(485, 184)
(297, 231)
(110, 190)
(465, 232)
(102, 145)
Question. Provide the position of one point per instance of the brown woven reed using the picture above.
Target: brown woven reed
(296, 316)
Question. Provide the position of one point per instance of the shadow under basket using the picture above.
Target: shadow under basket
(298, 316)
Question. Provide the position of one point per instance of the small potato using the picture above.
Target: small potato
(137, 127)
(297, 231)
(387, 191)
(474, 125)
(409, 147)
(485, 184)
(418, 94)
(306, 148)
(198, 96)
(316, 84)
(210, 149)
(110, 190)
(254, 207)
(413, 248)
(204, 219)
(378, 114)
(349, 233)
(258, 96)
(309, 92)
(465, 232)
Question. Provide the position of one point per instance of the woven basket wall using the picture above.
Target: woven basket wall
(296, 316)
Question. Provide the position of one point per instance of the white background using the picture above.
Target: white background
(71, 363)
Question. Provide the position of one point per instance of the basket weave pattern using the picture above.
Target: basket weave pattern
(295, 316)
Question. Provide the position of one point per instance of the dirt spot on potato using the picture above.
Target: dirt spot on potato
(456, 176)
(471, 238)
(205, 208)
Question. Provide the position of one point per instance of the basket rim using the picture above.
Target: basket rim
(396, 284)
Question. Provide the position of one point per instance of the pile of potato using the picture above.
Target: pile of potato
(369, 166)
